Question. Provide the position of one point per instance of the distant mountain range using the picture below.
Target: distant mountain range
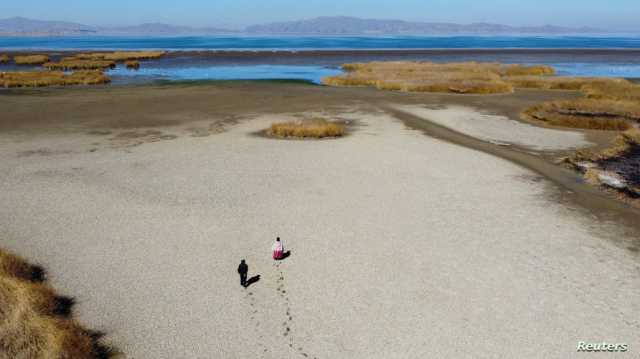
(354, 26)
(23, 26)
(20, 25)
(319, 26)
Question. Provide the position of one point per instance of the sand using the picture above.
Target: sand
(403, 246)
(499, 129)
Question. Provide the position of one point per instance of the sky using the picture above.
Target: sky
(607, 14)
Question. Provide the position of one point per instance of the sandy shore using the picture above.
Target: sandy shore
(403, 246)
(499, 129)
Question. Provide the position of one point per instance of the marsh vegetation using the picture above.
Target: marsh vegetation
(307, 128)
(462, 77)
(51, 78)
(608, 103)
(30, 59)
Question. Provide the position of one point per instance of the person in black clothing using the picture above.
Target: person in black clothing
(243, 269)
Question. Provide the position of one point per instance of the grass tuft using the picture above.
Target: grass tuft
(313, 128)
(71, 63)
(34, 321)
(14, 266)
(4, 59)
(31, 59)
(52, 78)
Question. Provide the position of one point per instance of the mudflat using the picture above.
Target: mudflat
(141, 201)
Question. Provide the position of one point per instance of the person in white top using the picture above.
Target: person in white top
(277, 249)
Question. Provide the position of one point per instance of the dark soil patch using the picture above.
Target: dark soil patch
(626, 165)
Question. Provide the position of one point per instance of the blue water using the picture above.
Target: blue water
(265, 64)
(316, 42)
(314, 73)
(627, 70)
(253, 72)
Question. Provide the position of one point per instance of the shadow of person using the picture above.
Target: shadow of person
(253, 279)
(285, 255)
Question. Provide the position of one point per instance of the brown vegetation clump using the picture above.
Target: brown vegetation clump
(463, 77)
(521, 70)
(466, 77)
(121, 55)
(314, 128)
(4, 59)
(34, 322)
(51, 78)
(587, 113)
(71, 63)
(613, 90)
(14, 266)
(31, 59)
(609, 103)
(560, 82)
(132, 64)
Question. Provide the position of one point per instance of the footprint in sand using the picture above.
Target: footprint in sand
(286, 325)
(252, 303)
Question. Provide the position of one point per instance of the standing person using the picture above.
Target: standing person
(277, 249)
(243, 269)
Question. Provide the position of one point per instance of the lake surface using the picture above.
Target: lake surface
(253, 72)
(317, 42)
(311, 58)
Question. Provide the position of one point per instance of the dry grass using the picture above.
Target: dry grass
(14, 266)
(468, 77)
(314, 128)
(132, 64)
(587, 113)
(521, 70)
(463, 77)
(561, 82)
(31, 322)
(613, 90)
(610, 103)
(52, 78)
(31, 59)
(71, 63)
(121, 55)
(4, 59)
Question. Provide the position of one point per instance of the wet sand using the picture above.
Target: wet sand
(141, 201)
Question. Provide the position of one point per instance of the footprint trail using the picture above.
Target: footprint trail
(287, 324)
